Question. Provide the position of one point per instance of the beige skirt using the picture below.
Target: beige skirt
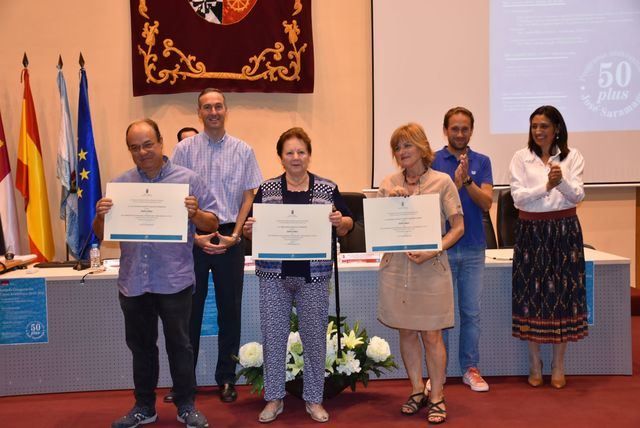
(415, 296)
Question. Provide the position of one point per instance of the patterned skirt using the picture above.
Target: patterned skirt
(549, 294)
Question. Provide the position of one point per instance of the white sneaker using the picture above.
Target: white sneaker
(474, 380)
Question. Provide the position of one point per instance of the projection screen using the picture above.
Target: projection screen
(502, 59)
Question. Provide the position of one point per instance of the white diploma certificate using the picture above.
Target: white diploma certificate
(291, 232)
(147, 212)
(399, 224)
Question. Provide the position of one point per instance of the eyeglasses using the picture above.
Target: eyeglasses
(146, 147)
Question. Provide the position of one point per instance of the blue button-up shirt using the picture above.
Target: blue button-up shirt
(228, 166)
(480, 173)
(159, 267)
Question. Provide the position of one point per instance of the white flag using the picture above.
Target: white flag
(66, 171)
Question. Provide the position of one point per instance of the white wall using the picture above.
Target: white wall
(338, 115)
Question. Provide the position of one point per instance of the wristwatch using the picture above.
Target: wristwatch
(468, 181)
(236, 237)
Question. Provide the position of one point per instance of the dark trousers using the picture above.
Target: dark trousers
(141, 329)
(228, 275)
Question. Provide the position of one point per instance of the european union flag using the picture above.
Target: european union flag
(88, 172)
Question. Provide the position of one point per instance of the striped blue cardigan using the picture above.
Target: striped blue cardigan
(322, 193)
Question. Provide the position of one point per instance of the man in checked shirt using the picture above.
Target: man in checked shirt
(229, 166)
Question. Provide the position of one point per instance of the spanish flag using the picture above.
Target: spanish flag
(30, 179)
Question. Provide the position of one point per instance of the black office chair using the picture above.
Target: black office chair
(507, 219)
(353, 242)
(3, 249)
(247, 246)
(489, 233)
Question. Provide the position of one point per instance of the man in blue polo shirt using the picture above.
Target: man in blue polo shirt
(471, 172)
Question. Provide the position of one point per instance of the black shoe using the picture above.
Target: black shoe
(228, 393)
(169, 397)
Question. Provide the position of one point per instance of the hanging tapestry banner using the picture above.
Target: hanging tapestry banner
(233, 45)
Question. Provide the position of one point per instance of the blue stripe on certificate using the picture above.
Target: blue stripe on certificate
(292, 256)
(123, 236)
(405, 247)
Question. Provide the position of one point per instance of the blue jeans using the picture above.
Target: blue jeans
(467, 270)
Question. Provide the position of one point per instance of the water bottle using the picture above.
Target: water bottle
(94, 256)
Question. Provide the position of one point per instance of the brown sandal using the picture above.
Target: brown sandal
(435, 413)
(412, 406)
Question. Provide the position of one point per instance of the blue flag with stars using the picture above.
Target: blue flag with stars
(88, 172)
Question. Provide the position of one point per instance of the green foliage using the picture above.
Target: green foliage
(254, 375)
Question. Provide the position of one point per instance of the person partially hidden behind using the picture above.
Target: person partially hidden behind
(182, 134)
(186, 132)
(471, 172)
(157, 280)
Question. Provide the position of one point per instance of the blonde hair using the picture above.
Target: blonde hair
(414, 134)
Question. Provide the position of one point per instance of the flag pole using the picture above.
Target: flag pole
(59, 67)
(30, 179)
(88, 179)
(336, 281)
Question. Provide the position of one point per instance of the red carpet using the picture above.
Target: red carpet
(587, 401)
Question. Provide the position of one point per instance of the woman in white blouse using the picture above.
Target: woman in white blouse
(549, 296)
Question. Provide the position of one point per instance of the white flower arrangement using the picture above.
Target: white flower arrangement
(250, 355)
(359, 358)
(378, 349)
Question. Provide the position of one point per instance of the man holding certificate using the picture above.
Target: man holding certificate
(305, 282)
(156, 279)
(415, 288)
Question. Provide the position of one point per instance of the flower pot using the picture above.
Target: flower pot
(332, 386)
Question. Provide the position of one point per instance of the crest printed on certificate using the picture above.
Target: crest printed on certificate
(291, 232)
(147, 212)
(401, 224)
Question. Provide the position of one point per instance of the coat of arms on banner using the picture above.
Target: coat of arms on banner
(234, 45)
(224, 12)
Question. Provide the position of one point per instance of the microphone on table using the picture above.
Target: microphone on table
(83, 264)
(75, 264)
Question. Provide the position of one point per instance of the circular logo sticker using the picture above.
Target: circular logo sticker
(225, 12)
(610, 84)
(35, 330)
